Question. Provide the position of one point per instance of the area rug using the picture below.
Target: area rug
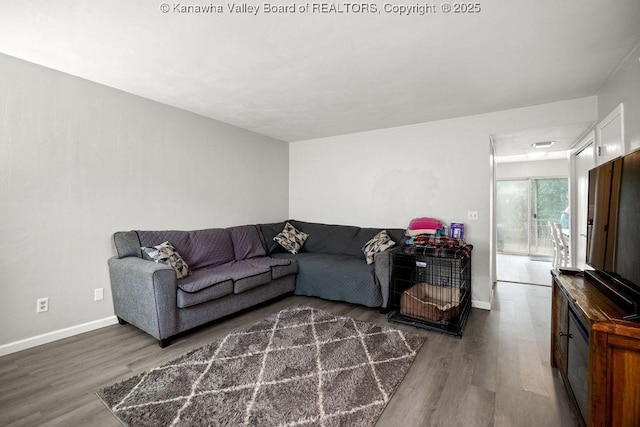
(299, 367)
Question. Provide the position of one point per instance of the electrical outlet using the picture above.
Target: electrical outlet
(43, 305)
(98, 294)
(472, 215)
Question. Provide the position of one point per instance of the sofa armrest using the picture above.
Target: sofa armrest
(383, 265)
(144, 294)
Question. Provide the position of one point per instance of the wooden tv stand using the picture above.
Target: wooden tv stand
(613, 368)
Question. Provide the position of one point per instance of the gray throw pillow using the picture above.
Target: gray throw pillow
(291, 238)
(378, 243)
(165, 253)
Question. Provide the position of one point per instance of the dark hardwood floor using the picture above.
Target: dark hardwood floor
(498, 374)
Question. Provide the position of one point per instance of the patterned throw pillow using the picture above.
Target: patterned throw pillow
(166, 254)
(379, 243)
(291, 238)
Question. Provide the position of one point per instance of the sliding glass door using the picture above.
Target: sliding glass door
(524, 208)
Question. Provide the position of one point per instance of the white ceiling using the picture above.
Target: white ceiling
(300, 76)
(517, 146)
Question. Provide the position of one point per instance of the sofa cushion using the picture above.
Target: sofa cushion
(247, 276)
(219, 290)
(341, 239)
(291, 238)
(165, 253)
(250, 282)
(203, 278)
(199, 248)
(232, 277)
(267, 233)
(378, 243)
(330, 239)
(246, 242)
(210, 247)
(279, 267)
(179, 240)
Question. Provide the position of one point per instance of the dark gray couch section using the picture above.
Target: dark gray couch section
(331, 264)
(336, 277)
(333, 239)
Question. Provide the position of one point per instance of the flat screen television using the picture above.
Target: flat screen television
(613, 231)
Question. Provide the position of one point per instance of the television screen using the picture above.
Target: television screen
(613, 231)
(604, 182)
(627, 257)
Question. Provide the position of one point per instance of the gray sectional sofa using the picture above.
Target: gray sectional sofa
(235, 268)
(230, 272)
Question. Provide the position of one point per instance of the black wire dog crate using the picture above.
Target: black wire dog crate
(431, 288)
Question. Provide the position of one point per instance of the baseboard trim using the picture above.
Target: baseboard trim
(481, 304)
(27, 343)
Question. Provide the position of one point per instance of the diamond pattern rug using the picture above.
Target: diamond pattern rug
(299, 367)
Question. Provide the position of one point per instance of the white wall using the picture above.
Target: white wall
(533, 169)
(79, 161)
(624, 86)
(440, 169)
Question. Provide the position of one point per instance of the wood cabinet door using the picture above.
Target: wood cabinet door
(560, 322)
(624, 380)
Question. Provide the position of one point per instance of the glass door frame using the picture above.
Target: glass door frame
(532, 236)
